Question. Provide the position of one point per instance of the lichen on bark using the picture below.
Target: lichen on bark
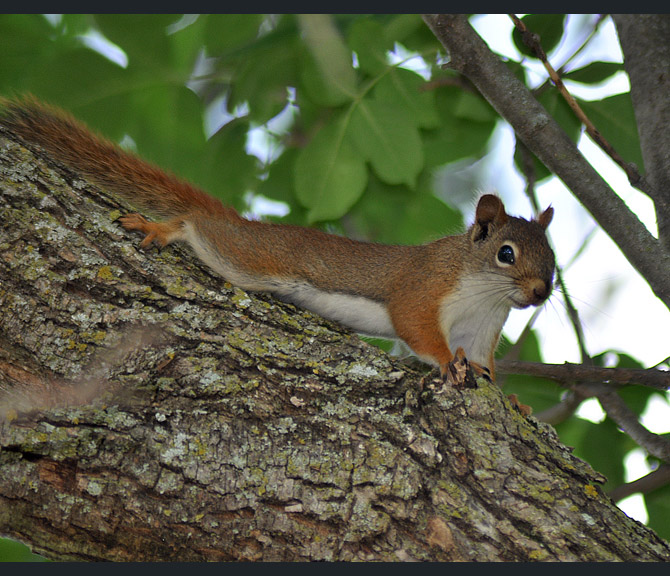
(152, 411)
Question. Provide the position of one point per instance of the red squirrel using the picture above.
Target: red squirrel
(453, 294)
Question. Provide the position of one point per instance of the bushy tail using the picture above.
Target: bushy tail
(71, 143)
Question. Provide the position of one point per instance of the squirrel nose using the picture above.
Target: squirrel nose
(540, 290)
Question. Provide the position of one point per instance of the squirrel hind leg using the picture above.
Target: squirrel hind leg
(160, 233)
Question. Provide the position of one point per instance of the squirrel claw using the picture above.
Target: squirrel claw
(459, 372)
(482, 371)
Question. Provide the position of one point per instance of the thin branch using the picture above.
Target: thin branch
(561, 410)
(656, 479)
(628, 421)
(601, 383)
(573, 315)
(567, 374)
(528, 168)
(457, 81)
(533, 42)
(590, 381)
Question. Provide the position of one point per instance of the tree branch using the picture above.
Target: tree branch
(154, 412)
(656, 479)
(470, 55)
(567, 374)
(601, 383)
(533, 42)
(645, 41)
(627, 420)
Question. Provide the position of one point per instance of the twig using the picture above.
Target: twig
(573, 315)
(528, 169)
(567, 374)
(582, 47)
(601, 383)
(656, 479)
(457, 81)
(532, 41)
(627, 420)
(561, 410)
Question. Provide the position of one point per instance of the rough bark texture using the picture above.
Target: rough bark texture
(150, 411)
(645, 41)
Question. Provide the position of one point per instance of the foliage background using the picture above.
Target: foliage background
(335, 118)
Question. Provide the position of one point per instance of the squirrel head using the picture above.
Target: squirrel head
(515, 250)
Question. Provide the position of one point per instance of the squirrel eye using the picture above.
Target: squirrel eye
(506, 255)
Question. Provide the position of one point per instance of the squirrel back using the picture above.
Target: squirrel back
(453, 294)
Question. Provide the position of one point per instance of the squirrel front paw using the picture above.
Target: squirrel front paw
(160, 233)
(460, 372)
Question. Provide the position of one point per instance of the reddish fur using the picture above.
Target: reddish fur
(410, 281)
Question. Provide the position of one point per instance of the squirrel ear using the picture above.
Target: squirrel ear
(490, 211)
(545, 218)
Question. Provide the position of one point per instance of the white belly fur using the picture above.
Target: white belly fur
(356, 312)
(359, 313)
(474, 316)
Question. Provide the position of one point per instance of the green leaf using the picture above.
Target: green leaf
(144, 39)
(368, 39)
(594, 72)
(263, 76)
(400, 26)
(227, 32)
(473, 107)
(402, 88)
(560, 110)
(86, 83)
(385, 135)
(12, 551)
(615, 120)
(328, 74)
(455, 138)
(226, 170)
(186, 44)
(548, 26)
(330, 174)
(411, 31)
(25, 42)
(279, 185)
(398, 215)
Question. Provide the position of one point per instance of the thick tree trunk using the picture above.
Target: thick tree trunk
(150, 411)
(645, 41)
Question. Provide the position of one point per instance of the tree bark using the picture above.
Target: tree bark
(645, 42)
(151, 411)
